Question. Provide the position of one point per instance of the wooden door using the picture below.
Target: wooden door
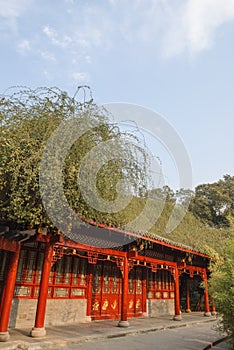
(136, 293)
(106, 291)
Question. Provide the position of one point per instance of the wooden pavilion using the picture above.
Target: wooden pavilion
(48, 278)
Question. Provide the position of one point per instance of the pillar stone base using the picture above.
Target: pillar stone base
(188, 310)
(38, 332)
(123, 324)
(177, 318)
(4, 336)
(207, 314)
(88, 319)
(213, 313)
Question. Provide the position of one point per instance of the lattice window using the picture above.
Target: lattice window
(138, 281)
(160, 285)
(131, 284)
(67, 277)
(97, 279)
(115, 284)
(29, 271)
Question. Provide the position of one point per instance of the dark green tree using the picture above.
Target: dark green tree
(213, 203)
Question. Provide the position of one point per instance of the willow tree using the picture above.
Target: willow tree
(28, 120)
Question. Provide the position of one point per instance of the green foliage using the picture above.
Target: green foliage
(27, 120)
(192, 230)
(214, 203)
(222, 289)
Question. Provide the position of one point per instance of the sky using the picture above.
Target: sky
(174, 57)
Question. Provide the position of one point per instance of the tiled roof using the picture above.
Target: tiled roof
(100, 235)
(148, 236)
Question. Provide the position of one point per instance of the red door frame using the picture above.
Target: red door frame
(106, 292)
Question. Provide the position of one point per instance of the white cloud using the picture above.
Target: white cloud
(48, 56)
(81, 41)
(48, 75)
(186, 26)
(149, 27)
(88, 59)
(61, 41)
(13, 8)
(202, 18)
(10, 11)
(23, 46)
(80, 77)
(174, 27)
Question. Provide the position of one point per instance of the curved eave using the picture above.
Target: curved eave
(153, 238)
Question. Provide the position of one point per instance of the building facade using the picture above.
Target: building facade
(49, 279)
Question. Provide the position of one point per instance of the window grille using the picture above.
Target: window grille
(160, 285)
(67, 276)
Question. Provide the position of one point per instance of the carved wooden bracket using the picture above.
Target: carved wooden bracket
(180, 271)
(153, 267)
(120, 263)
(191, 273)
(181, 265)
(130, 265)
(57, 254)
(172, 271)
(92, 257)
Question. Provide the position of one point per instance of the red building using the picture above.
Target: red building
(47, 278)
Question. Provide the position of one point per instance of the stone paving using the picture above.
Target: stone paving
(64, 335)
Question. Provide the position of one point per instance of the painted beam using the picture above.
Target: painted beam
(9, 245)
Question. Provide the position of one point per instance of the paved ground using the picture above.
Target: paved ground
(194, 337)
(221, 346)
(71, 335)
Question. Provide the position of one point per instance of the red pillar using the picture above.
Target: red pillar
(177, 316)
(206, 295)
(124, 306)
(39, 330)
(89, 290)
(144, 292)
(213, 308)
(7, 295)
(188, 306)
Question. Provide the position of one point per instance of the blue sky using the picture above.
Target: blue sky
(172, 56)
